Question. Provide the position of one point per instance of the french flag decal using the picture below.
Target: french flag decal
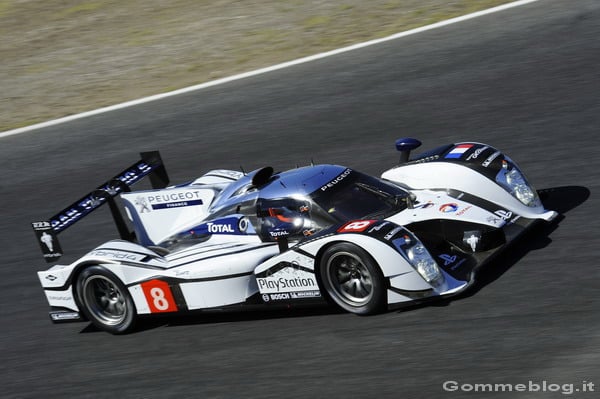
(458, 151)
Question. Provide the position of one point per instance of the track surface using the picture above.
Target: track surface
(525, 80)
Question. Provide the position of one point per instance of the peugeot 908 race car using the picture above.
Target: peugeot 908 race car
(311, 234)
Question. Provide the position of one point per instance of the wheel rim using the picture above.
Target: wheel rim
(350, 278)
(104, 300)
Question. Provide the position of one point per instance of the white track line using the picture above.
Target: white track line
(264, 70)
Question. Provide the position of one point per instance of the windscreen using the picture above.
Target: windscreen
(359, 196)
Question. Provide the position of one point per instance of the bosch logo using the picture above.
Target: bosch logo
(448, 208)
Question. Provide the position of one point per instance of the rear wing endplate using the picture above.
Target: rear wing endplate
(46, 231)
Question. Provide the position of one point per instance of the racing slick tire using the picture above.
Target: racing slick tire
(105, 300)
(352, 279)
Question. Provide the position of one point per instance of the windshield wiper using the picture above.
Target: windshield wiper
(393, 199)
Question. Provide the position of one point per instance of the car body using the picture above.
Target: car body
(307, 235)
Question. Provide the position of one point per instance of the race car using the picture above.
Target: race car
(313, 234)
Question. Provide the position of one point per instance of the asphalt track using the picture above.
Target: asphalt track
(524, 80)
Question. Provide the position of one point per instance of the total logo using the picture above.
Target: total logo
(449, 208)
(219, 228)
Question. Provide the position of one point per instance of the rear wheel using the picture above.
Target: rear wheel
(352, 279)
(105, 300)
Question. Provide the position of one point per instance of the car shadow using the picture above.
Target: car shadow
(249, 313)
(559, 199)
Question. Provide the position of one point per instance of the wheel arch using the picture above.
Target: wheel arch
(319, 258)
(77, 270)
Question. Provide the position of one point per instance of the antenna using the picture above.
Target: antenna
(242, 169)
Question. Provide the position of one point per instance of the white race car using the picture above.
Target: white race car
(315, 233)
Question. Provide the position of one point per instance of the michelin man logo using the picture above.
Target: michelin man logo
(46, 239)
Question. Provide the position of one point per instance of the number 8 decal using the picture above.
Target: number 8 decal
(159, 296)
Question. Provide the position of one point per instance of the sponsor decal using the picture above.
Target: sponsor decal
(47, 240)
(451, 259)
(458, 151)
(85, 205)
(51, 277)
(356, 226)
(449, 208)
(116, 255)
(279, 297)
(305, 294)
(490, 159)
(424, 205)
(219, 228)
(281, 233)
(181, 204)
(477, 153)
(472, 238)
(338, 179)
(57, 316)
(243, 224)
(492, 220)
(448, 259)
(142, 204)
(463, 211)
(282, 283)
(290, 295)
(168, 200)
(378, 227)
(504, 215)
(41, 225)
(287, 280)
(392, 233)
(59, 298)
(229, 225)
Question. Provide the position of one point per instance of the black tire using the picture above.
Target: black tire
(352, 279)
(105, 300)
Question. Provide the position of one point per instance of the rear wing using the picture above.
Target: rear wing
(47, 231)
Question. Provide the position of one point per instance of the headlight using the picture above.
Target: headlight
(422, 261)
(513, 181)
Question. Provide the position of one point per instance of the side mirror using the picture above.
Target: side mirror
(405, 146)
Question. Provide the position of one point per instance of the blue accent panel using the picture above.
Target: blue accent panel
(454, 156)
(179, 204)
(227, 225)
(407, 144)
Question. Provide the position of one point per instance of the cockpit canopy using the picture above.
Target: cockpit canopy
(301, 202)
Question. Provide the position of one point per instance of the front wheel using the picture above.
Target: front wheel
(352, 279)
(105, 300)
